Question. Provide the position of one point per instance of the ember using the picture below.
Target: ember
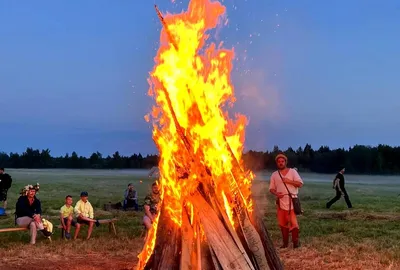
(207, 218)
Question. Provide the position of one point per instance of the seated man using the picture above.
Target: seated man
(84, 213)
(151, 206)
(130, 198)
(28, 211)
(66, 218)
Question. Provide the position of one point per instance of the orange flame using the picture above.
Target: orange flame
(192, 86)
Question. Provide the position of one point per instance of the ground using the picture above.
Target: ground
(366, 237)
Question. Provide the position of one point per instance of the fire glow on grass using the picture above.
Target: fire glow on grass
(191, 85)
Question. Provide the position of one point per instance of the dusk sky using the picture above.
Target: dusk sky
(73, 74)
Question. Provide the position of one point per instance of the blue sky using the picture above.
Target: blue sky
(73, 73)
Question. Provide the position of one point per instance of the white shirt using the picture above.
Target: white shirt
(277, 184)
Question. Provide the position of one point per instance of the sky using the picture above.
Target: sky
(73, 74)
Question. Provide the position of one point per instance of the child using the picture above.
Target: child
(66, 217)
(84, 213)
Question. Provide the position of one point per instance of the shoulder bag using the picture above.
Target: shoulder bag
(295, 201)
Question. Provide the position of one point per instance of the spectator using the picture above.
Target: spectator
(151, 206)
(28, 212)
(130, 198)
(67, 219)
(85, 214)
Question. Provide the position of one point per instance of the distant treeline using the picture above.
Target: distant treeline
(359, 159)
(41, 159)
(382, 159)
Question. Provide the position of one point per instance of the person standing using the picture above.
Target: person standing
(284, 184)
(5, 184)
(338, 185)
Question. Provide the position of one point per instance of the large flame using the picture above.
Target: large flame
(191, 82)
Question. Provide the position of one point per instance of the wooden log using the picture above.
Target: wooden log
(198, 245)
(253, 240)
(208, 259)
(216, 264)
(17, 229)
(188, 248)
(226, 251)
(234, 235)
(166, 252)
(274, 261)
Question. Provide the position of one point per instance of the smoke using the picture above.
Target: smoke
(258, 97)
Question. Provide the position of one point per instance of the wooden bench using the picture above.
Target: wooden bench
(110, 222)
(18, 229)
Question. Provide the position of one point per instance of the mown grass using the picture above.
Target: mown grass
(366, 237)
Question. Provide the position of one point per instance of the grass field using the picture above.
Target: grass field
(366, 237)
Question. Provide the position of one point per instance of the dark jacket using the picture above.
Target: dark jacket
(5, 181)
(24, 209)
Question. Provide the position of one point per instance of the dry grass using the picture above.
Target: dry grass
(322, 255)
(100, 253)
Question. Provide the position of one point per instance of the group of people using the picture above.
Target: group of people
(28, 214)
(284, 185)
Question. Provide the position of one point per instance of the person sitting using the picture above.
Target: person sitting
(130, 198)
(151, 206)
(66, 218)
(85, 214)
(28, 212)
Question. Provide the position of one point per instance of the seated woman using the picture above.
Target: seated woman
(28, 212)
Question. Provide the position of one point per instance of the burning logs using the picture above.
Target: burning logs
(208, 240)
(208, 219)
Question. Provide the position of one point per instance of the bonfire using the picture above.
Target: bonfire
(207, 217)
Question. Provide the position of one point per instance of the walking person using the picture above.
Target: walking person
(285, 184)
(338, 185)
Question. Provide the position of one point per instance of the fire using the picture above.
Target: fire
(197, 140)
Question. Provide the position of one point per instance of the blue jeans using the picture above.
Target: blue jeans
(130, 204)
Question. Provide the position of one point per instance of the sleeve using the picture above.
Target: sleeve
(135, 195)
(296, 176)
(61, 209)
(272, 184)
(126, 194)
(8, 181)
(76, 209)
(91, 212)
(335, 180)
(39, 207)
